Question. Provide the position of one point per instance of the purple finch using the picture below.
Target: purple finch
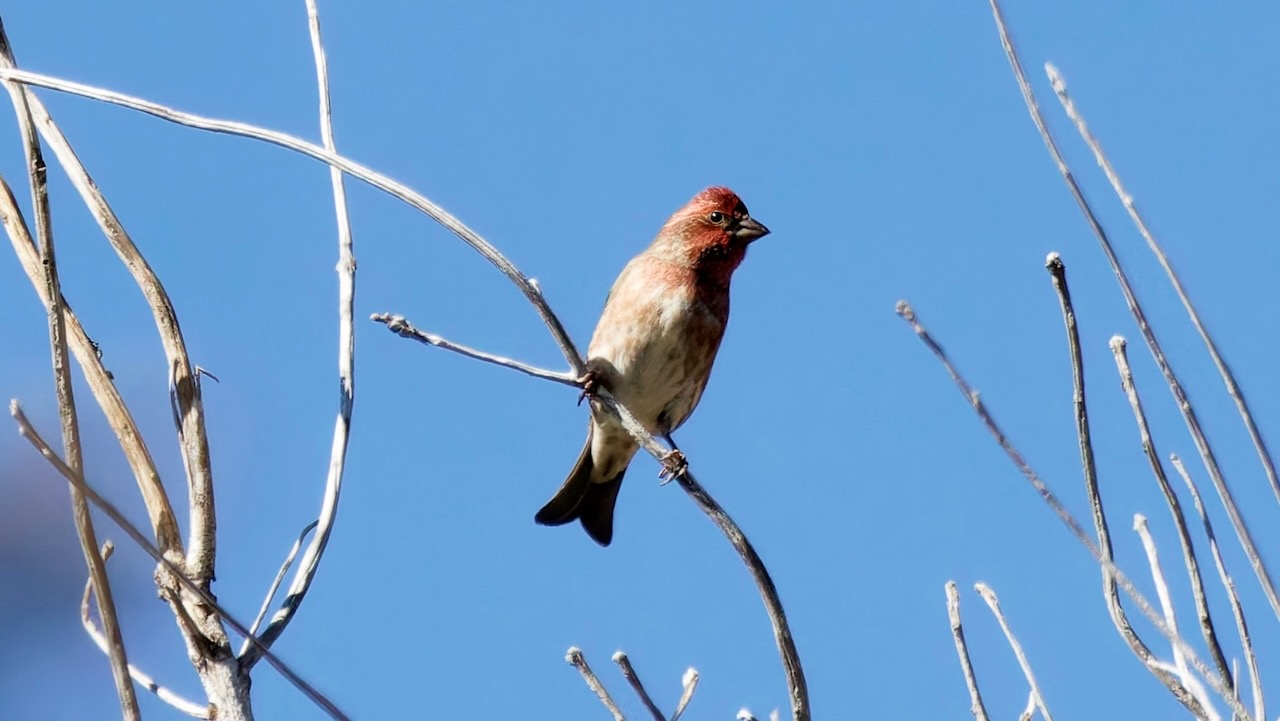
(654, 346)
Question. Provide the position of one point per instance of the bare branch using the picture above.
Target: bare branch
(310, 562)
(993, 603)
(690, 685)
(629, 673)
(976, 706)
(1233, 388)
(577, 660)
(26, 430)
(142, 678)
(399, 325)
(1028, 711)
(275, 585)
(1135, 309)
(397, 190)
(1237, 610)
(1118, 349)
(1051, 499)
(70, 423)
(1058, 273)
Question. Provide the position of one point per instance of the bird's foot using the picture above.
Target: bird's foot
(589, 382)
(674, 465)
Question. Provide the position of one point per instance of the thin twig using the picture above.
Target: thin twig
(70, 423)
(1058, 272)
(275, 584)
(1051, 499)
(142, 678)
(26, 430)
(1135, 309)
(310, 562)
(1237, 609)
(201, 548)
(1233, 388)
(1028, 711)
(993, 603)
(399, 325)
(577, 660)
(976, 706)
(690, 682)
(1179, 667)
(1118, 349)
(526, 285)
(160, 513)
(629, 673)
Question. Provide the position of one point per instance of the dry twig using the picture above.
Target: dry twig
(577, 660)
(976, 706)
(993, 603)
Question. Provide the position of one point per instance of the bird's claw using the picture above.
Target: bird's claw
(589, 382)
(674, 465)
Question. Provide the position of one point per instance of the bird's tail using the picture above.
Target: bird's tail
(582, 500)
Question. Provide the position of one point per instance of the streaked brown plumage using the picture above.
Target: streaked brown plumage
(654, 346)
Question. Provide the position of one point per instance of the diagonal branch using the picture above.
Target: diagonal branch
(577, 660)
(633, 678)
(1051, 499)
(399, 325)
(993, 603)
(1135, 309)
(310, 562)
(1233, 388)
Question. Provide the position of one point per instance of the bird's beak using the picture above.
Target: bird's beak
(750, 229)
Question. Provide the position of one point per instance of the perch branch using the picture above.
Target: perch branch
(310, 562)
(1228, 378)
(70, 422)
(1058, 273)
(1118, 349)
(629, 673)
(1237, 609)
(26, 430)
(1051, 499)
(976, 706)
(1135, 309)
(577, 660)
(993, 603)
(142, 678)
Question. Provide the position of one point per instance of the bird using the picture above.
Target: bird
(653, 349)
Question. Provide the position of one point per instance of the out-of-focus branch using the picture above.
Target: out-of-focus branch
(526, 285)
(1135, 309)
(629, 673)
(1237, 609)
(1118, 349)
(993, 603)
(1058, 273)
(976, 706)
(28, 431)
(1051, 499)
(310, 562)
(577, 660)
(70, 423)
(142, 678)
(1233, 388)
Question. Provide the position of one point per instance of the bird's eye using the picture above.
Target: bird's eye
(716, 217)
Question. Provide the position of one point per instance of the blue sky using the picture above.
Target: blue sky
(886, 147)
